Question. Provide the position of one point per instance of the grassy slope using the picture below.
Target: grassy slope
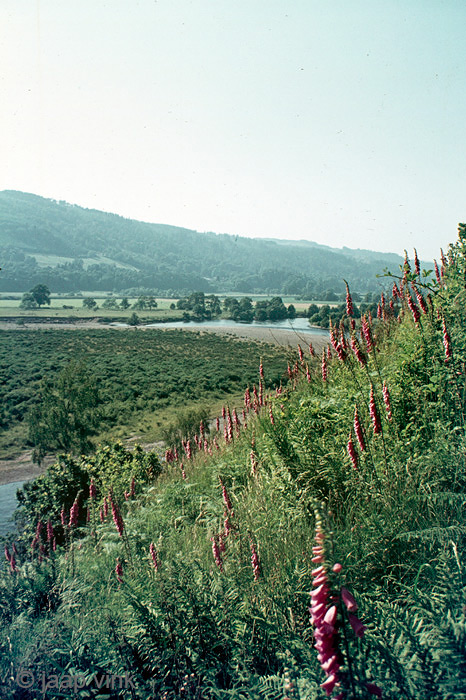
(394, 520)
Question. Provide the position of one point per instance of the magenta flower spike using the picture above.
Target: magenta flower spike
(226, 498)
(361, 358)
(74, 513)
(437, 273)
(417, 265)
(247, 399)
(253, 463)
(92, 490)
(119, 571)
(446, 342)
(324, 617)
(49, 531)
(349, 302)
(324, 367)
(414, 309)
(312, 352)
(406, 266)
(216, 553)
(117, 517)
(420, 299)
(153, 554)
(358, 430)
(352, 452)
(255, 563)
(367, 333)
(386, 400)
(377, 425)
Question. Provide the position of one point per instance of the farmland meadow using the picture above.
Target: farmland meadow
(301, 537)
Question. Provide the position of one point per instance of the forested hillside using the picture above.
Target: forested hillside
(69, 248)
(310, 545)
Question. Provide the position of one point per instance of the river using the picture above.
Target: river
(8, 504)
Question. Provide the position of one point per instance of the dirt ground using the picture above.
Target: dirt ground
(23, 469)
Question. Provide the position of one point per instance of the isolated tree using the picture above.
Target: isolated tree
(41, 294)
(28, 302)
(89, 303)
(124, 304)
(291, 311)
(67, 413)
(151, 303)
(134, 320)
(110, 303)
(140, 304)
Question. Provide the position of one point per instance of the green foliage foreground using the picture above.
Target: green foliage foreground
(344, 492)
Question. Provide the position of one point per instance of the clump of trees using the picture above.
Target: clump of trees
(67, 414)
(36, 297)
(202, 307)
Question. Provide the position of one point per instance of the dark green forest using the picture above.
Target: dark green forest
(82, 249)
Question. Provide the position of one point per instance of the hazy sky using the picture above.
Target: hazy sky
(341, 122)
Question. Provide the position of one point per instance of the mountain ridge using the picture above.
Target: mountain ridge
(164, 257)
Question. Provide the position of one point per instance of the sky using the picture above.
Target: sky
(337, 122)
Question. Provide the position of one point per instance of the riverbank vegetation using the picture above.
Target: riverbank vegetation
(310, 547)
(139, 379)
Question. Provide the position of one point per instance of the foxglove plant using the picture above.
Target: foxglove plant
(446, 342)
(353, 455)
(255, 562)
(376, 424)
(358, 430)
(117, 517)
(324, 367)
(119, 571)
(386, 400)
(74, 512)
(349, 301)
(413, 308)
(153, 555)
(216, 553)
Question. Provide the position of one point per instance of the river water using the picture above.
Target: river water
(300, 325)
(7, 505)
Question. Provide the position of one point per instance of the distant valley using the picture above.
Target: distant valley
(73, 249)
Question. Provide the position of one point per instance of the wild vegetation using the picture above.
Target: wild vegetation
(311, 547)
(61, 387)
(69, 248)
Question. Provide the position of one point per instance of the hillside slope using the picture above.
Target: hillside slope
(71, 249)
(330, 515)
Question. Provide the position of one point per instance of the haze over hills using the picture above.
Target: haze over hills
(72, 249)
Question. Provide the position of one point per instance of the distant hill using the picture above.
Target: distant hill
(70, 248)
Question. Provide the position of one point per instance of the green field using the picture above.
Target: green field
(142, 377)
